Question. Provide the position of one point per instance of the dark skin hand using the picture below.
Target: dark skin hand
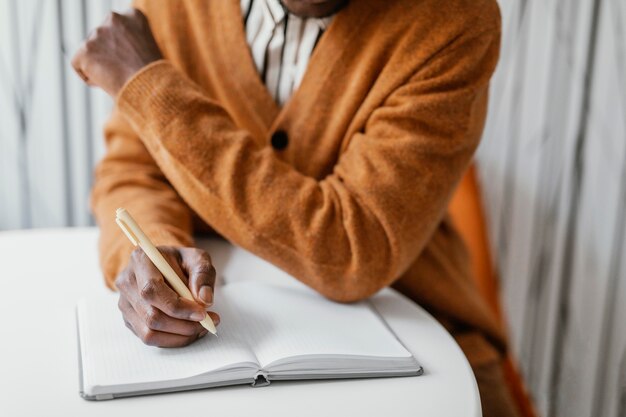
(116, 50)
(153, 310)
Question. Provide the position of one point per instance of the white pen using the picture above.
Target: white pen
(138, 238)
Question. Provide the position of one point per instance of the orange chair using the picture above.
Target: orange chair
(467, 214)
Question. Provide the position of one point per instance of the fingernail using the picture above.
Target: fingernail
(206, 294)
(204, 333)
(197, 316)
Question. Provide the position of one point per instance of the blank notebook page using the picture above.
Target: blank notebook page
(260, 324)
(112, 355)
(284, 322)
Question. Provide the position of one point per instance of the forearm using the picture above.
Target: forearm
(347, 235)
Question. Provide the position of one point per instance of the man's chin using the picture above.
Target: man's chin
(315, 2)
(313, 8)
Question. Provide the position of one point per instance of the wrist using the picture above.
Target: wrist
(128, 79)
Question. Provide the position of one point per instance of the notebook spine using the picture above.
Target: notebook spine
(260, 379)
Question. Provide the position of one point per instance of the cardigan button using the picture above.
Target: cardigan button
(279, 140)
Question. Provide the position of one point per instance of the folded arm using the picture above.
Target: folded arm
(355, 231)
(347, 235)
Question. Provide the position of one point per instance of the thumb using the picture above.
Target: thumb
(201, 273)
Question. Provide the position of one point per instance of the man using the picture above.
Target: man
(325, 136)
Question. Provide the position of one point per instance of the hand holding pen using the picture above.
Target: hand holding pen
(159, 314)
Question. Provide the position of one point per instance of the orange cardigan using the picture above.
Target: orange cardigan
(376, 137)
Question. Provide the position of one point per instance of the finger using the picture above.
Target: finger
(166, 340)
(174, 258)
(138, 16)
(157, 338)
(125, 282)
(77, 61)
(127, 310)
(136, 12)
(79, 65)
(82, 75)
(215, 317)
(153, 289)
(130, 316)
(197, 264)
(155, 319)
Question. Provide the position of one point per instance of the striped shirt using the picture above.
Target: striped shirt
(281, 44)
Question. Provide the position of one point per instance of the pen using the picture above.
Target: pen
(138, 238)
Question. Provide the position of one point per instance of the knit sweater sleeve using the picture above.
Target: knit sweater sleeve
(355, 231)
(128, 176)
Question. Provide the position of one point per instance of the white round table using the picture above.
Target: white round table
(45, 272)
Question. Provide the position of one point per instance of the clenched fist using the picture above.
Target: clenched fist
(116, 50)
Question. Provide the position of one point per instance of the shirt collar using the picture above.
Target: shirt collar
(324, 22)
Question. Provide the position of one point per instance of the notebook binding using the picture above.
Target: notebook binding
(260, 379)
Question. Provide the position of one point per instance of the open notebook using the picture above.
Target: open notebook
(266, 333)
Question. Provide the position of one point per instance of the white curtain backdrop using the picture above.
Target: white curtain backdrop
(552, 162)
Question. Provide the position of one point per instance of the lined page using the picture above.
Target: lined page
(112, 355)
(286, 322)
